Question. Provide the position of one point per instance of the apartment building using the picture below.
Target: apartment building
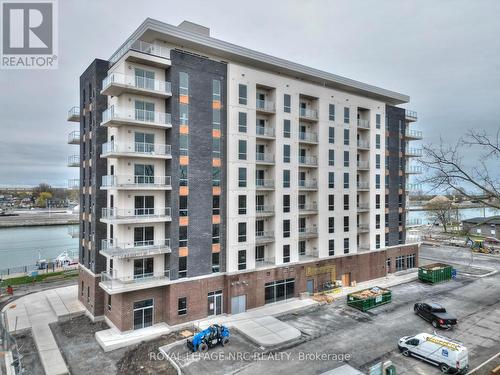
(215, 179)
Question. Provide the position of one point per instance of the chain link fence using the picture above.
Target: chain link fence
(8, 344)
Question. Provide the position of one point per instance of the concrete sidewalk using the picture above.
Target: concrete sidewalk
(36, 311)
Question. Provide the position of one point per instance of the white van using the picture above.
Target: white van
(451, 356)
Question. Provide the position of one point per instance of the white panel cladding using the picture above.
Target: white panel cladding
(278, 86)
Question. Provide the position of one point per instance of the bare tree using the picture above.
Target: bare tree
(439, 210)
(475, 179)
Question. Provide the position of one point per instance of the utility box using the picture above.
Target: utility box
(369, 298)
(435, 273)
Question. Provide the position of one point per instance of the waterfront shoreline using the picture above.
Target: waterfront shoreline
(38, 224)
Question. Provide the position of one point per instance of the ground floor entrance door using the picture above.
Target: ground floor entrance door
(238, 304)
(346, 279)
(143, 313)
(215, 303)
(310, 286)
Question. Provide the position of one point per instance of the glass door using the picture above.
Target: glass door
(143, 314)
(144, 174)
(144, 142)
(143, 267)
(144, 236)
(144, 205)
(215, 303)
(144, 79)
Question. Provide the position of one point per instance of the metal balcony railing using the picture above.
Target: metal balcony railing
(308, 207)
(363, 185)
(308, 160)
(136, 181)
(363, 227)
(135, 248)
(264, 262)
(140, 148)
(363, 144)
(308, 184)
(310, 114)
(416, 134)
(365, 124)
(74, 161)
(74, 137)
(363, 207)
(140, 46)
(265, 105)
(413, 187)
(262, 236)
(264, 157)
(413, 152)
(140, 213)
(112, 281)
(262, 209)
(363, 164)
(308, 232)
(265, 131)
(411, 114)
(264, 183)
(308, 137)
(136, 115)
(74, 114)
(413, 169)
(137, 82)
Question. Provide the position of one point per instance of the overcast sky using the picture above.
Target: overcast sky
(444, 54)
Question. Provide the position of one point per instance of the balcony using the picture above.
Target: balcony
(111, 248)
(363, 228)
(363, 145)
(308, 114)
(363, 124)
(264, 184)
(116, 84)
(308, 256)
(135, 215)
(410, 116)
(413, 134)
(265, 106)
(308, 185)
(113, 284)
(308, 137)
(413, 169)
(264, 158)
(413, 187)
(363, 248)
(265, 262)
(74, 114)
(363, 186)
(118, 116)
(363, 207)
(363, 165)
(74, 183)
(412, 222)
(308, 232)
(261, 210)
(74, 161)
(264, 237)
(308, 209)
(143, 52)
(308, 161)
(74, 138)
(413, 152)
(137, 149)
(136, 182)
(264, 132)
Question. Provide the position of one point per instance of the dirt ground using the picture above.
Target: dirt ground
(83, 355)
(30, 360)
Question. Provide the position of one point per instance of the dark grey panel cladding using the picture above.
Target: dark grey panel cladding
(92, 104)
(395, 129)
(201, 72)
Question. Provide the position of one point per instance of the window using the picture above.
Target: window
(346, 115)
(287, 103)
(346, 201)
(286, 253)
(242, 260)
(286, 128)
(377, 120)
(215, 262)
(259, 253)
(346, 158)
(286, 153)
(286, 178)
(377, 201)
(331, 112)
(183, 236)
(410, 261)
(377, 241)
(109, 302)
(331, 180)
(377, 141)
(346, 223)
(377, 161)
(216, 205)
(242, 122)
(242, 150)
(331, 202)
(331, 134)
(184, 144)
(242, 92)
(331, 225)
(286, 228)
(331, 157)
(346, 180)
(144, 174)
(182, 306)
(216, 147)
(346, 245)
(242, 177)
(286, 203)
(377, 181)
(182, 267)
(377, 221)
(279, 290)
(183, 205)
(242, 204)
(242, 232)
(216, 176)
(346, 137)
(331, 247)
(400, 263)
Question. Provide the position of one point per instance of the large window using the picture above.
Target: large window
(346, 180)
(286, 253)
(377, 120)
(279, 290)
(242, 94)
(331, 180)
(144, 111)
(331, 247)
(242, 259)
(143, 236)
(216, 171)
(287, 103)
(242, 150)
(143, 268)
(215, 262)
(286, 203)
(331, 134)
(377, 141)
(331, 225)
(242, 122)
(183, 205)
(144, 205)
(242, 232)
(242, 204)
(331, 202)
(286, 228)
(286, 178)
(144, 142)
(286, 128)
(215, 233)
(346, 223)
(286, 153)
(144, 174)
(182, 267)
(331, 157)
(400, 263)
(144, 79)
(410, 261)
(346, 137)
(346, 245)
(331, 112)
(346, 202)
(346, 115)
(242, 177)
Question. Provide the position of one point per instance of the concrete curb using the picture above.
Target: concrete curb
(165, 348)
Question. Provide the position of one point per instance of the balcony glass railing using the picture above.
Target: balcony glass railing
(264, 262)
(261, 209)
(363, 144)
(308, 160)
(308, 231)
(74, 137)
(363, 164)
(141, 148)
(265, 131)
(308, 207)
(308, 184)
(265, 105)
(267, 158)
(112, 281)
(363, 207)
(411, 114)
(264, 183)
(264, 235)
(118, 213)
(364, 124)
(137, 115)
(414, 152)
(140, 46)
(74, 112)
(136, 181)
(413, 169)
(409, 133)
(135, 248)
(74, 160)
(308, 113)
(308, 136)
(363, 185)
(137, 82)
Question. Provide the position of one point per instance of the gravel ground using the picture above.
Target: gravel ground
(30, 359)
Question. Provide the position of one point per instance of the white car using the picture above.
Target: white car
(451, 356)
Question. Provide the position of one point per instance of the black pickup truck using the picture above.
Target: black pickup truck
(436, 314)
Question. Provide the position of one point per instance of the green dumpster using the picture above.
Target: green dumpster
(435, 273)
(369, 298)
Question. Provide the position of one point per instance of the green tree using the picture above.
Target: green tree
(43, 198)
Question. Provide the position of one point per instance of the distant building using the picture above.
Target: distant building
(483, 226)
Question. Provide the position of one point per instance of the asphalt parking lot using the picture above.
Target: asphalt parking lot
(335, 333)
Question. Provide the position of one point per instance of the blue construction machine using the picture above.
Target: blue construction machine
(213, 335)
